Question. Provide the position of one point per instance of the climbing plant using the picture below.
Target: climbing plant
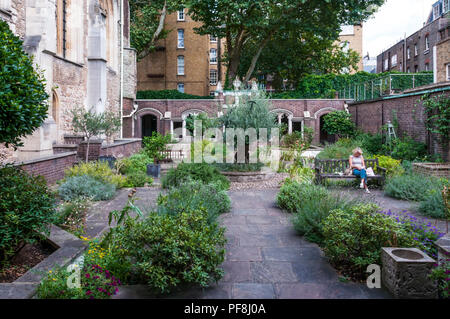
(437, 109)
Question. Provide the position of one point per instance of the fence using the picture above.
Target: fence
(384, 86)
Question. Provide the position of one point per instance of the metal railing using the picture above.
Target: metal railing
(385, 86)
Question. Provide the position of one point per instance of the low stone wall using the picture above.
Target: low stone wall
(249, 177)
(122, 148)
(51, 167)
(432, 169)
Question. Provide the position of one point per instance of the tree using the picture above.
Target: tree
(339, 123)
(23, 99)
(147, 19)
(259, 21)
(88, 123)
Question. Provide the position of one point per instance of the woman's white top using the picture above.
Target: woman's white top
(357, 161)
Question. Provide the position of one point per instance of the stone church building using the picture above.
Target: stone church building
(83, 49)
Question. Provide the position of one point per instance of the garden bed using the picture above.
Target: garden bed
(432, 169)
(28, 257)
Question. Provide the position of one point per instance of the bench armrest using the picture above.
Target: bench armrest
(382, 170)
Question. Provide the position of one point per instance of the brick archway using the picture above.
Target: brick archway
(140, 117)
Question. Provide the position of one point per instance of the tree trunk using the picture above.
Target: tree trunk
(162, 21)
(87, 149)
(255, 58)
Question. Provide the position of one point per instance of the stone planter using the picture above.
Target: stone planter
(405, 273)
(154, 170)
(432, 169)
(443, 246)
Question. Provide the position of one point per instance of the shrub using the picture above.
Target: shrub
(138, 179)
(433, 205)
(23, 96)
(408, 149)
(354, 238)
(27, 208)
(339, 123)
(412, 187)
(71, 215)
(99, 171)
(86, 186)
(393, 167)
(442, 275)
(167, 251)
(372, 143)
(96, 283)
(310, 204)
(342, 149)
(154, 145)
(135, 163)
(195, 195)
(296, 139)
(201, 172)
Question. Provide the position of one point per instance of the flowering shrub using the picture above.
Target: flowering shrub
(72, 215)
(99, 171)
(422, 231)
(393, 167)
(96, 283)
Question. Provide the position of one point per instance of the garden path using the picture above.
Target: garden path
(266, 259)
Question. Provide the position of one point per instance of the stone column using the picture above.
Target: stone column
(280, 116)
(184, 127)
(290, 124)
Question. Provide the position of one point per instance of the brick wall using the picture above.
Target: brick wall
(177, 108)
(370, 116)
(122, 148)
(51, 167)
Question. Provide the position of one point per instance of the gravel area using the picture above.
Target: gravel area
(275, 182)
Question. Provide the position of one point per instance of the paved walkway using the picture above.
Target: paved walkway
(266, 259)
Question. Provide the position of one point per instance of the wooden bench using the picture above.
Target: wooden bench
(335, 169)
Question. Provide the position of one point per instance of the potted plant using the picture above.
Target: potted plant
(111, 125)
(155, 146)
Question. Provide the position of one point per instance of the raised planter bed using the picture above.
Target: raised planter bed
(432, 169)
(248, 177)
(67, 248)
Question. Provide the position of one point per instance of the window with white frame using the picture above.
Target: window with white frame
(181, 16)
(427, 43)
(213, 56)
(446, 6)
(436, 12)
(213, 77)
(386, 64)
(394, 60)
(212, 38)
(408, 53)
(448, 72)
(180, 65)
(180, 87)
(180, 39)
(416, 50)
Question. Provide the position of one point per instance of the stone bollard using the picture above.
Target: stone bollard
(443, 246)
(406, 273)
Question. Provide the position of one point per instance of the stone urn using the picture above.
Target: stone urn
(406, 273)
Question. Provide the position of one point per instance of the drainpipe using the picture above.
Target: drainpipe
(135, 106)
(121, 66)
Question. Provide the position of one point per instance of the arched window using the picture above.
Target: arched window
(180, 65)
(213, 56)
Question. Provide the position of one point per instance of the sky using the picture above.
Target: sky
(389, 25)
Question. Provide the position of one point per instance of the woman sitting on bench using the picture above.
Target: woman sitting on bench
(358, 167)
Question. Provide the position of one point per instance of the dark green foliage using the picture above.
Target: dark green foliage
(408, 149)
(23, 99)
(198, 172)
(169, 95)
(86, 186)
(167, 251)
(135, 163)
(339, 123)
(433, 204)
(354, 238)
(437, 109)
(195, 195)
(138, 179)
(373, 144)
(310, 204)
(27, 207)
(412, 187)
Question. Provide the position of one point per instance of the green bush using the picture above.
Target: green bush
(342, 149)
(96, 283)
(197, 172)
(441, 275)
(23, 96)
(138, 179)
(86, 186)
(408, 149)
(433, 204)
(310, 204)
(27, 208)
(411, 187)
(168, 95)
(135, 163)
(372, 143)
(195, 195)
(393, 167)
(155, 145)
(339, 123)
(354, 238)
(99, 171)
(167, 251)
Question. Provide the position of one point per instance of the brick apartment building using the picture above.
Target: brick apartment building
(191, 63)
(419, 51)
(77, 45)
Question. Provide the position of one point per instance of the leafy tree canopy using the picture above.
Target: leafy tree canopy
(339, 123)
(23, 99)
(242, 22)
